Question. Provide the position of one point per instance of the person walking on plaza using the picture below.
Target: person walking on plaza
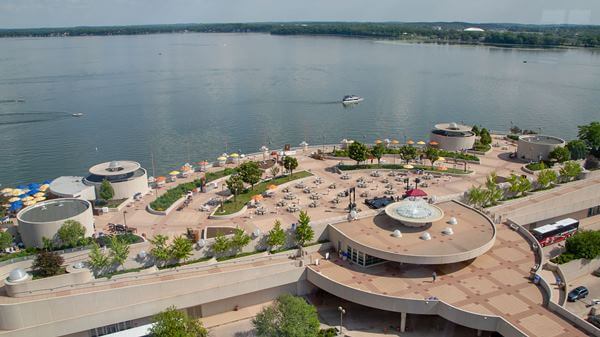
(433, 276)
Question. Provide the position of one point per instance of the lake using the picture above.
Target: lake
(194, 96)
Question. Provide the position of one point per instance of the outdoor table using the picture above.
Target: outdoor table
(307, 190)
(332, 186)
(345, 177)
(364, 194)
(336, 201)
(392, 174)
(286, 190)
(389, 192)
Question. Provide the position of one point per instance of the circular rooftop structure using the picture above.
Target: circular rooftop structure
(417, 233)
(537, 147)
(414, 213)
(17, 275)
(45, 218)
(452, 136)
(114, 168)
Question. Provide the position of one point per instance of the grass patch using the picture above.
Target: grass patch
(425, 168)
(459, 155)
(231, 206)
(22, 253)
(210, 176)
(185, 263)
(231, 257)
(481, 147)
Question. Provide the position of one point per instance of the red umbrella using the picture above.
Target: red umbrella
(415, 192)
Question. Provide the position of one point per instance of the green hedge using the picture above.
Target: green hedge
(210, 176)
(166, 200)
(426, 168)
(458, 155)
(513, 137)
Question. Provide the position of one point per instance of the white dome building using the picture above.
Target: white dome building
(127, 178)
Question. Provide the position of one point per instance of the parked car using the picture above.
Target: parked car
(595, 320)
(578, 293)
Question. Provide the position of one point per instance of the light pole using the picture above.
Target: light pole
(342, 312)
(125, 219)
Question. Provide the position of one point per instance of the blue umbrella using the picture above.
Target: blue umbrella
(47, 181)
(15, 206)
(32, 192)
(33, 186)
(22, 187)
(24, 195)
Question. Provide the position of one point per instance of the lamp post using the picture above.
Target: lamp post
(417, 181)
(342, 312)
(406, 181)
(125, 219)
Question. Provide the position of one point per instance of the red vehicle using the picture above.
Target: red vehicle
(556, 232)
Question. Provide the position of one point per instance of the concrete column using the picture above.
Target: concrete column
(402, 321)
(479, 332)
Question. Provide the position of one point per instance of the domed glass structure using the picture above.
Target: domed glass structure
(17, 275)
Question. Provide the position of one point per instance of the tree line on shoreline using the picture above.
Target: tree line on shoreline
(433, 32)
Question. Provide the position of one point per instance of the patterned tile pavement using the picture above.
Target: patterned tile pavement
(493, 284)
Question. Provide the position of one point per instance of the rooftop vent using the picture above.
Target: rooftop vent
(453, 221)
(426, 236)
(397, 233)
(453, 126)
(114, 166)
(17, 275)
(448, 231)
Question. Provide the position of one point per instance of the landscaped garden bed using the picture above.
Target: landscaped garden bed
(426, 168)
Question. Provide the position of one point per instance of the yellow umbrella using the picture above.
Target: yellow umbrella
(16, 192)
(28, 198)
(272, 187)
(13, 199)
(6, 205)
(44, 187)
(234, 155)
(221, 158)
(7, 190)
(39, 194)
(174, 173)
(38, 199)
(378, 141)
(421, 142)
(410, 142)
(395, 141)
(408, 167)
(29, 203)
(441, 159)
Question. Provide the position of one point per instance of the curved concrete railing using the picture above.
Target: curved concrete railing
(168, 210)
(414, 306)
(425, 259)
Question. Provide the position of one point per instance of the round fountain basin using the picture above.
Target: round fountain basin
(414, 213)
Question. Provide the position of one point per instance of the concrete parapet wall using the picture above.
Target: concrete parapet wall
(576, 320)
(28, 287)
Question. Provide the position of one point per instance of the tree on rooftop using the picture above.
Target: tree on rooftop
(290, 164)
(408, 153)
(304, 232)
(119, 250)
(476, 196)
(493, 193)
(546, 178)
(106, 192)
(98, 260)
(6, 240)
(590, 134)
(235, 184)
(569, 171)
(519, 185)
(181, 248)
(276, 236)
(239, 240)
(47, 264)
(432, 154)
(221, 244)
(484, 137)
(71, 233)
(289, 316)
(250, 173)
(378, 151)
(160, 250)
(358, 151)
(560, 154)
(475, 130)
(578, 149)
(175, 323)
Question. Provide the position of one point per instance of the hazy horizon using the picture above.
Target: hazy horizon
(71, 13)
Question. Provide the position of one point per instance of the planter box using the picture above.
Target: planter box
(168, 210)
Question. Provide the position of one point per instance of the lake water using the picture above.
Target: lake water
(195, 96)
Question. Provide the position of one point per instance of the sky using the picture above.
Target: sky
(65, 13)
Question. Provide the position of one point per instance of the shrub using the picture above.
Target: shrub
(513, 137)
(340, 153)
(458, 155)
(47, 264)
(106, 190)
(564, 258)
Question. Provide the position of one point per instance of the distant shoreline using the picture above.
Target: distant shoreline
(499, 35)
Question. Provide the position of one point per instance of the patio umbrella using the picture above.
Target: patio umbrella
(186, 168)
(47, 182)
(378, 141)
(44, 187)
(441, 159)
(33, 186)
(15, 206)
(415, 192)
(161, 178)
(38, 199)
(304, 143)
(272, 187)
(203, 163)
(16, 192)
(174, 173)
(395, 141)
(434, 143)
(13, 199)
(27, 198)
(234, 155)
(39, 194)
(7, 190)
(408, 167)
(29, 203)
(421, 142)
(21, 187)
(32, 192)
(257, 197)
(410, 142)
(222, 158)
(6, 205)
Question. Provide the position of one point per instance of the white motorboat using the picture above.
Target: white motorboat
(351, 99)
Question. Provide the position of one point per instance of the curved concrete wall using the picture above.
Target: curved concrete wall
(126, 189)
(414, 306)
(32, 232)
(534, 151)
(453, 143)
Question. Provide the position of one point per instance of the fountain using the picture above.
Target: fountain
(414, 213)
